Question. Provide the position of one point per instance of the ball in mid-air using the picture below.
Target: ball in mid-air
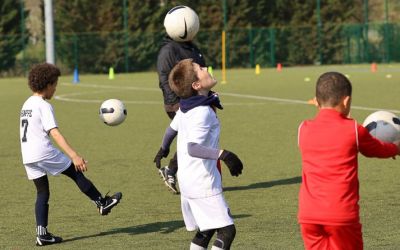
(383, 125)
(181, 23)
(112, 112)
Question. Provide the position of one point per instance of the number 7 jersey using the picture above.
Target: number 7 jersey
(36, 120)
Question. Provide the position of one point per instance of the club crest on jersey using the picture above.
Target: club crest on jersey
(26, 113)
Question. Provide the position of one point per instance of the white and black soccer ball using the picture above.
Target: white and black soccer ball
(112, 112)
(383, 125)
(181, 23)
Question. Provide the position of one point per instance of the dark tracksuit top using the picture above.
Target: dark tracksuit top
(170, 54)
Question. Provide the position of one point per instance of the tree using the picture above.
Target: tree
(11, 38)
(76, 43)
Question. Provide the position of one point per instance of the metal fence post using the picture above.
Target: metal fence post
(76, 60)
(23, 35)
(126, 37)
(251, 47)
(387, 34)
(272, 46)
(319, 30)
(366, 44)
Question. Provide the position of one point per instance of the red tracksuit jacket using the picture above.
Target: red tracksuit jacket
(329, 146)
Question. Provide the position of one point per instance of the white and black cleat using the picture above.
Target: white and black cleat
(109, 202)
(47, 239)
(169, 179)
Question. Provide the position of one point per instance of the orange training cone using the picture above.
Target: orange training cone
(279, 67)
(313, 101)
(374, 67)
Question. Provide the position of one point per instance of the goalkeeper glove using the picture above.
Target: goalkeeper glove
(233, 162)
(162, 153)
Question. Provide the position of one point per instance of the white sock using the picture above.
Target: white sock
(196, 247)
(40, 230)
(216, 248)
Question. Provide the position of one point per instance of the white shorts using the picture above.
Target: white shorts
(206, 213)
(53, 166)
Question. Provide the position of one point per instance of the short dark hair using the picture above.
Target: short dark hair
(41, 75)
(181, 78)
(331, 88)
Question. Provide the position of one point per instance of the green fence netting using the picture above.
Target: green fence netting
(132, 52)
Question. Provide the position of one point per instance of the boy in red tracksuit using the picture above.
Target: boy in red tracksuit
(329, 145)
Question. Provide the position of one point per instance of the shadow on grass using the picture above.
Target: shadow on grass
(160, 227)
(267, 184)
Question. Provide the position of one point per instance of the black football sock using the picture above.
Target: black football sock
(84, 184)
(42, 199)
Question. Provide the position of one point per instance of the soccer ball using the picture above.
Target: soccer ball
(383, 125)
(181, 23)
(112, 112)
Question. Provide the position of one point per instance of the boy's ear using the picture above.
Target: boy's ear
(346, 105)
(347, 101)
(196, 85)
(315, 101)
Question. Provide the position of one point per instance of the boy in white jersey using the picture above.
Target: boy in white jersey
(197, 126)
(40, 157)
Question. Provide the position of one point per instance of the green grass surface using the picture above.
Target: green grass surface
(261, 130)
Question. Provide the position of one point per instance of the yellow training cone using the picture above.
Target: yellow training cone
(257, 69)
(210, 71)
(111, 73)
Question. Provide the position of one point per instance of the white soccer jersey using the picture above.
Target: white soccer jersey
(36, 120)
(198, 178)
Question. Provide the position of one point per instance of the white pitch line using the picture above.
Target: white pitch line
(265, 98)
(109, 87)
(274, 99)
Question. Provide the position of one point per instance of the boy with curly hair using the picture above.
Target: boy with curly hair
(40, 157)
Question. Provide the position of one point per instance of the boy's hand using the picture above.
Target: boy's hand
(233, 162)
(162, 153)
(79, 163)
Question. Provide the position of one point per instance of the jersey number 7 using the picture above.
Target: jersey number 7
(24, 123)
